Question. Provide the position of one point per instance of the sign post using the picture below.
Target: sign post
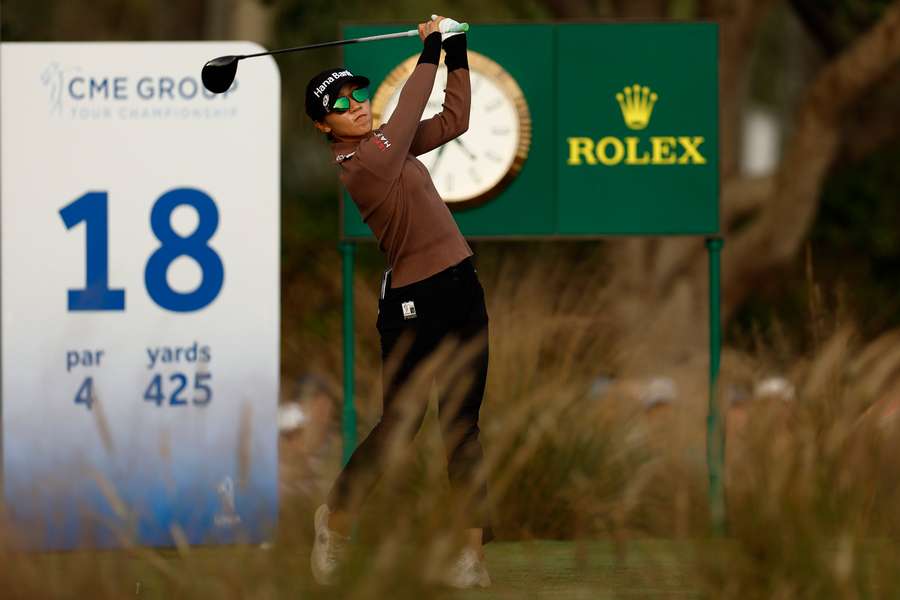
(348, 415)
(715, 432)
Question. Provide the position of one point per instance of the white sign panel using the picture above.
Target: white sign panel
(140, 293)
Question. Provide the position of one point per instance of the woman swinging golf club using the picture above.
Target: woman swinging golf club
(430, 292)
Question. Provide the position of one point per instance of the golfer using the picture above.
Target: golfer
(429, 294)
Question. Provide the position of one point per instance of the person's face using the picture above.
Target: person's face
(355, 122)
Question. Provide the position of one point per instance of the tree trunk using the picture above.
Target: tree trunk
(773, 239)
(218, 17)
(251, 21)
(659, 286)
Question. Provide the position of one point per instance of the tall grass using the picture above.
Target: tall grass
(811, 482)
(812, 485)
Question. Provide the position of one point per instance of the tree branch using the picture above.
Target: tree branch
(742, 196)
(819, 25)
(773, 239)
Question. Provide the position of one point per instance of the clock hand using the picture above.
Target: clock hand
(465, 149)
(437, 159)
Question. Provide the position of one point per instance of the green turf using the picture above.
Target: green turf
(537, 569)
(565, 570)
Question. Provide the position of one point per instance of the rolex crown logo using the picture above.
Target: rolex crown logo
(636, 102)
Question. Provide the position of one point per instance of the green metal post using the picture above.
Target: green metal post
(348, 417)
(715, 431)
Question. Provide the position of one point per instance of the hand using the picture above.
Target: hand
(429, 27)
(448, 27)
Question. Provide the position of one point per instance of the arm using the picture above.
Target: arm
(384, 154)
(453, 120)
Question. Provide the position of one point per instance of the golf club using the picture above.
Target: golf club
(218, 74)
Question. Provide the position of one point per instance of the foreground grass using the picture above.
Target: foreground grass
(545, 569)
(536, 569)
(811, 479)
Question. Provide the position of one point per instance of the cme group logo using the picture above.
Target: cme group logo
(636, 103)
(76, 93)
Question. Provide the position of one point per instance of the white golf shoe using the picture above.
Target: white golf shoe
(467, 571)
(329, 549)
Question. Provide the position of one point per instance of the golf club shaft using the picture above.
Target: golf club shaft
(370, 38)
(463, 27)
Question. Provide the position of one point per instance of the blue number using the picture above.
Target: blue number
(96, 295)
(153, 393)
(199, 384)
(194, 246)
(175, 400)
(85, 393)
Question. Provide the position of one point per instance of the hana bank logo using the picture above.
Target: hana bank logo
(636, 102)
(72, 92)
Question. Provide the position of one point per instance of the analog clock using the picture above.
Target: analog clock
(478, 165)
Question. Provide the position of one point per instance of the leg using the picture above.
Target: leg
(459, 409)
(400, 417)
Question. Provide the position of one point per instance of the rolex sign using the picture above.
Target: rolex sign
(638, 148)
(576, 129)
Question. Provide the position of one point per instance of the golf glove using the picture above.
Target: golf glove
(446, 25)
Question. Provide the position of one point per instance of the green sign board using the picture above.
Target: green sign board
(576, 130)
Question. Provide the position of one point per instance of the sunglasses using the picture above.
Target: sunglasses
(342, 103)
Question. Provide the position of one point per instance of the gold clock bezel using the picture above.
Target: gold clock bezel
(487, 68)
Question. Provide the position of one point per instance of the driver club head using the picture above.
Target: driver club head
(218, 74)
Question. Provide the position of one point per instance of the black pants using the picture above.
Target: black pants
(413, 321)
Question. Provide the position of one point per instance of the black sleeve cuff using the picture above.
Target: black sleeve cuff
(457, 57)
(431, 53)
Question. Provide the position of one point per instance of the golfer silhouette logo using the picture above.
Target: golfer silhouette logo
(227, 516)
(53, 77)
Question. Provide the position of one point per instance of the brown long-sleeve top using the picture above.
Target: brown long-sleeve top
(392, 188)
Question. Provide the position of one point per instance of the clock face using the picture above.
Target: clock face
(476, 166)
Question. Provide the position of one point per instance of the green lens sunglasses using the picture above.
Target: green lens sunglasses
(342, 103)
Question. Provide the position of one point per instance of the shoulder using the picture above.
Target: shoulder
(378, 153)
(380, 139)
